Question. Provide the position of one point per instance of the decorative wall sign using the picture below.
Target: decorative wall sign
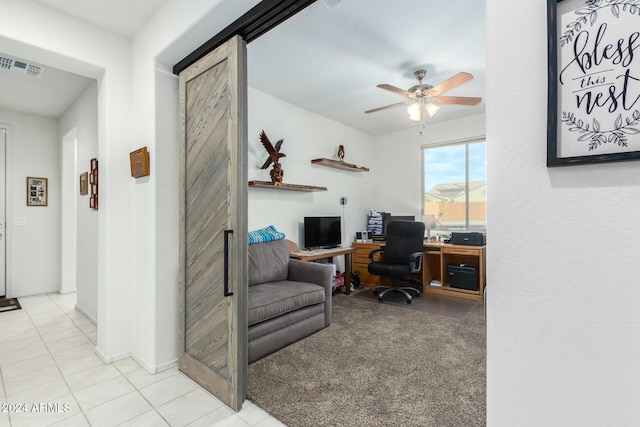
(37, 192)
(594, 81)
(84, 183)
(139, 161)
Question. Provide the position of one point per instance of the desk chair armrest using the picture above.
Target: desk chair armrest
(416, 261)
(373, 253)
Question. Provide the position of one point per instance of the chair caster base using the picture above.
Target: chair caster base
(408, 301)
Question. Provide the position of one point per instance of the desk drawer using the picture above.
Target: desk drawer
(461, 251)
(361, 258)
(364, 257)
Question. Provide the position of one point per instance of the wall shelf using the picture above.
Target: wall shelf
(339, 165)
(283, 186)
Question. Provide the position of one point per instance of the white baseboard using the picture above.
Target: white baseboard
(147, 367)
(168, 365)
(108, 360)
(154, 369)
(87, 315)
(102, 356)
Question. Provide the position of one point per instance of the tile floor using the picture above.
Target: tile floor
(50, 375)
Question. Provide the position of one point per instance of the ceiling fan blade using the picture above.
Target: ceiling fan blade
(388, 106)
(449, 84)
(394, 89)
(460, 100)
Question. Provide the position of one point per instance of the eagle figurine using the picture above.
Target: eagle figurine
(274, 152)
(274, 157)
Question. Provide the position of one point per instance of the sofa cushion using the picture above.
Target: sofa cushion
(269, 300)
(268, 327)
(268, 262)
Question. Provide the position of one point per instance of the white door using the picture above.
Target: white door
(3, 249)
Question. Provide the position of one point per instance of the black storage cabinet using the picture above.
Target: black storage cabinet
(463, 276)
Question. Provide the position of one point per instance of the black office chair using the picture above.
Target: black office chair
(402, 255)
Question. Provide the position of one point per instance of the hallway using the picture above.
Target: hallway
(50, 375)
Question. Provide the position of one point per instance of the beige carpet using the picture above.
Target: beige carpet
(378, 365)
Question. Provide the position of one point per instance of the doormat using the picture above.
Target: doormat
(9, 304)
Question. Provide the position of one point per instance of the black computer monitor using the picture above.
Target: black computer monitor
(389, 218)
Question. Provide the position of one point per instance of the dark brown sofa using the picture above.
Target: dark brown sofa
(288, 299)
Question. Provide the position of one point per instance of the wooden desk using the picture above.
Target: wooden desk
(437, 257)
(329, 254)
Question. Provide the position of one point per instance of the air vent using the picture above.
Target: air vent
(20, 67)
(332, 4)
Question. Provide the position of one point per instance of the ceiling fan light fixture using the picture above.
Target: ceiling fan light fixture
(426, 98)
(432, 109)
(414, 112)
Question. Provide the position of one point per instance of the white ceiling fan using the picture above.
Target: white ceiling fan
(427, 98)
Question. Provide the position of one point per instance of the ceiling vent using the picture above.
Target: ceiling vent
(332, 4)
(20, 67)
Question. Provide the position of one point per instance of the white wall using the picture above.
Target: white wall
(33, 249)
(59, 40)
(307, 136)
(563, 323)
(400, 189)
(172, 33)
(68, 208)
(81, 119)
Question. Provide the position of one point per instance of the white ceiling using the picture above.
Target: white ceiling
(53, 93)
(123, 17)
(326, 60)
(49, 95)
(330, 60)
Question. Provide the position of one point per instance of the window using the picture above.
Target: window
(455, 186)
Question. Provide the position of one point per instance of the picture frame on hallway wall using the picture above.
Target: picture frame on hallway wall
(37, 191)
(84, 184)
(593, 113)
(93, 182)
(139, 162)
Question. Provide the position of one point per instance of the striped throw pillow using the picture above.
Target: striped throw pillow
(266, 234)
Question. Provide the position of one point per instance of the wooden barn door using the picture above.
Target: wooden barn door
(213, 216)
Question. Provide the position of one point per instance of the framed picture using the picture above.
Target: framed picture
(93, 181)
(37, 191)
(594, 87)
(139, 161)
(84, 185)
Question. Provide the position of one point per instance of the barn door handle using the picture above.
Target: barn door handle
(226, 263)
